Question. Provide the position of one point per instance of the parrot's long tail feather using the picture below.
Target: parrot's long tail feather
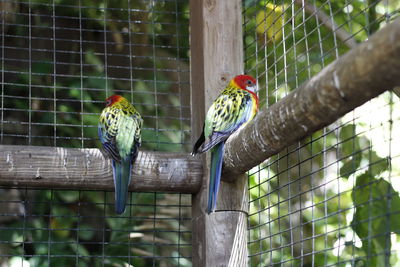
(122, 177)
(217, 153)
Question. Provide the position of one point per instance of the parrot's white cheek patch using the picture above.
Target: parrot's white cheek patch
(253, 88)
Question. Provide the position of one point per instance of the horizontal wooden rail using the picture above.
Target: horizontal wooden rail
(72, 168)
(361, 74)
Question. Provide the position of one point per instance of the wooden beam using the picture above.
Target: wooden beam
(356, 77)
(219, 239)
(72, 168)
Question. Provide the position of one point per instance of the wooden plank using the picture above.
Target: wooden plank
(72, 168)
(356, 77)
(219, 239)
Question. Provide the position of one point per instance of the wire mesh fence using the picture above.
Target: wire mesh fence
(59, 61)
(76, 228)
(331, 199)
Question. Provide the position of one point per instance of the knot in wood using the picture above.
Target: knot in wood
(210, 4)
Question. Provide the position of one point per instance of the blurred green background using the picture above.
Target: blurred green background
(328, 200)
(60, 60)
(331, 199)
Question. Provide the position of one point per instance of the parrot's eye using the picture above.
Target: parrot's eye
(249, 82)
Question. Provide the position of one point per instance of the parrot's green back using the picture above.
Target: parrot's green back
(232, 109)
(120, 134)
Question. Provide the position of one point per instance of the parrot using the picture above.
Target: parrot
(231, 110)
(119, 131)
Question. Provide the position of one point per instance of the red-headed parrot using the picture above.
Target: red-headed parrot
(120, 134)
(233, 108)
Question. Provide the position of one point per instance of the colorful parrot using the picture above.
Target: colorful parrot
(233, 108)
(120, 134)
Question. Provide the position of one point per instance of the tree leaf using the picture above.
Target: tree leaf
(350, 165)
(377, 215)
(349, 141)
(377, 164)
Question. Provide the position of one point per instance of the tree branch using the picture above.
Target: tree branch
(356, 77)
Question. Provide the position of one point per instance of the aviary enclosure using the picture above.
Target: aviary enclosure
(312, 181)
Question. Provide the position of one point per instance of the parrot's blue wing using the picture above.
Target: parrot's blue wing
(227, 121)
(109, 144)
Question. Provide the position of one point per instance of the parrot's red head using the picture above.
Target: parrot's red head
(113, 99)
(246, 82)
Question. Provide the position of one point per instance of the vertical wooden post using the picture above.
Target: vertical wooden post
(219, 239)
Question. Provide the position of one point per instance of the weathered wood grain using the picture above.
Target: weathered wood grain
(356, 77)
(219, 239)
(71, 168)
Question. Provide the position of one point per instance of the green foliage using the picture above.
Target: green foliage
(64, 112)
(354, 149)
(306, 198)
(351, 150)
(338, 170)
(377, 216)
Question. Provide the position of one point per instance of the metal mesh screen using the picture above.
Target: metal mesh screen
(59, 61)
(331, 199)
(76, 228)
